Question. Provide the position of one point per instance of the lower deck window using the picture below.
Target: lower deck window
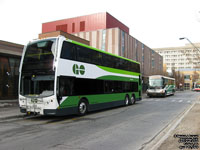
(79, 86)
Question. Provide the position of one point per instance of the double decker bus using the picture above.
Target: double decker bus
(59, 76)
(161, 86)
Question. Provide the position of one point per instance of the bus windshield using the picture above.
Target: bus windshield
(37, 85)
(155, 82)
(39, 55)
(197, 85)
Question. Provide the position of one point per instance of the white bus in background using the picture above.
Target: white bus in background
(160, 86)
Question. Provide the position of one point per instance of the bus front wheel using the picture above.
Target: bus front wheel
(82, 107)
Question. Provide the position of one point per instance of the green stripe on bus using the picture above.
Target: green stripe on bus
(72, 101)
(118, 71)
(110, 77)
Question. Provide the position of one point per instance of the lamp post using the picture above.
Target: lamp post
(189, 42)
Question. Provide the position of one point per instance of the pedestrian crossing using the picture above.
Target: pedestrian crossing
(173, 100)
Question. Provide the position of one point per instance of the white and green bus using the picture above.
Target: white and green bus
(59, 76)
(161, 86)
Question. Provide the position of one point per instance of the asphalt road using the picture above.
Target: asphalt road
(121, 128)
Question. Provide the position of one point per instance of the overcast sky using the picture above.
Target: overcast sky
(156, 23)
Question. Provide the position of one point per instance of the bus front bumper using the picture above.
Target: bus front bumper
(155, 93)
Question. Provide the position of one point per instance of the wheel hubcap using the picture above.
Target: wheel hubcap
(126, 100)
(82, 108)
(132, 100)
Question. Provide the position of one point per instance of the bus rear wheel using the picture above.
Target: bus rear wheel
(126, 102)
(132, 100)
(82, 107)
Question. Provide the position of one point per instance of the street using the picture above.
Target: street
(121, 128)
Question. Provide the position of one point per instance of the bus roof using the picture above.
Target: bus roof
(81, 44)
(161, 76)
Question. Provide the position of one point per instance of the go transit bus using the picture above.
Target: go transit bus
(59, 76)
(160, 86)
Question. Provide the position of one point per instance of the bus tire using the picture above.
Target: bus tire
(173, 92)
(126, 101)
(132, 100)
(165, 94)
(82, 107)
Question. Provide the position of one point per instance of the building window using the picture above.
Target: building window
(143, 54)
(153, 64)
(61, 28)
(187, 86)
(73, 27)
(187, 77)
(143, 59)
(103, 45)
(136, 45)
(123, 43)
(82, 26)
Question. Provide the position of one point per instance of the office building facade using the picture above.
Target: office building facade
(185, 59)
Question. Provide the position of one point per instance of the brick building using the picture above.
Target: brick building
(10, 55)
(107, 33)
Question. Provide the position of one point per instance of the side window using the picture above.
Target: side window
(66, 86)
(96, 57)
(134, 86)
(108, 61)
(83, 54)
(88, 86)
(68, 51)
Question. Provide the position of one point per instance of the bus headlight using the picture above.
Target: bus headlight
(162, 91)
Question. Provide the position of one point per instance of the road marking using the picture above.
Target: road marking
(176, 100)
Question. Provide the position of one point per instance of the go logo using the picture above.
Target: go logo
(78, 70)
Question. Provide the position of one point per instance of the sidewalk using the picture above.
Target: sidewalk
(9, 109)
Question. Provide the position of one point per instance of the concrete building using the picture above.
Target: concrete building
(108, 34)
(185, 59)
(10, 55)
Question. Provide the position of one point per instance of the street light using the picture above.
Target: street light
(189, 42)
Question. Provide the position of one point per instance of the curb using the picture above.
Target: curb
(9, 103)
(8, 118)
